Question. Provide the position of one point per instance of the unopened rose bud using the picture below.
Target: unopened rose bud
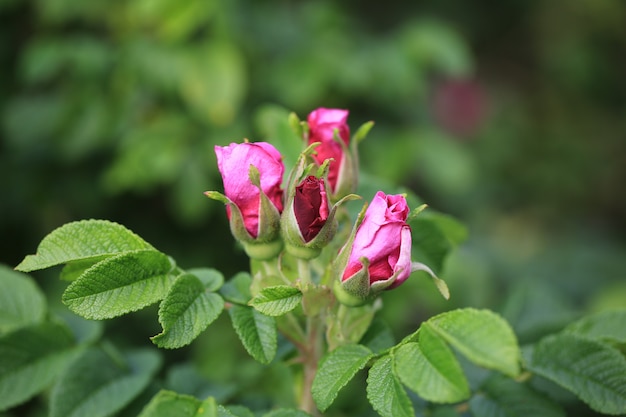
(377, 256)
(329, 127)
(252, 174)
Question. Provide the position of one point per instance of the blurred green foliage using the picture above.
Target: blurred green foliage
(508, 115)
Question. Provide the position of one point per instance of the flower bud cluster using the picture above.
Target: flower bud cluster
(301, 220)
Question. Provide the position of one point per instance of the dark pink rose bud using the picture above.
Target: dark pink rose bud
(310, 206)
(378, 255)
(323, 123)
(252, 174)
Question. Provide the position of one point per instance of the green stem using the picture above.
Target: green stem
(304, 272)
(311, 355)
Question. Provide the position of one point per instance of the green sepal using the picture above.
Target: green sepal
(362, 131)
(265, 245)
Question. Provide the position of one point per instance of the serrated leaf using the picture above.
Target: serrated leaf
(211, 278)
(82, 240)
(237, 289)
(101, 382)
(503, 397)
(385, 392)
(186, 311)
(234, 411)
(21, 301)
(30, 359)
(277, 300)
(256, 331)
(336, 369)
(594, 371)
(120, 284)
(169, 404)
(606, 325)
(482, 336)
(286, 412)
(431, 369)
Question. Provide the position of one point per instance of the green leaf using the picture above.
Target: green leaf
(21, 301)
(378, 337)
(75, 269)
(30, 359)
(211, 278)
(431, 369)
(82, 240)
(606, 325)
(501, 396)
(481, 335)
(385, 392)
(594, 371)
(120, 284)
(237, 289)
(256, 331)
(186, 311)
(169, 404)
(336, 369)
(234, 411)
(286, 412)
(277, 300)
(100, 382)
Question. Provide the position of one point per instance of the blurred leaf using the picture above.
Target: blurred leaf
(378, 337)
(430, 369)
(277, 300)
(436, 45)
(256, 331)
(237, 289)
(74, 269)
(503, 397)
(120, 284)
(211, 278)
(429, 245)
(385, 392)
(214, 81)
(286, 412)
(536, 309)
(168, 403)
(100, 383)
(186, 311)
(21, 301)
(594, 371)
(78, 241)
(150, 154)
(30, 359)
(606, 325)
(336, 369)
(481, 335)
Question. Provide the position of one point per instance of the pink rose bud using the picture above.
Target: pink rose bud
(310, 206)
(252, 174)
(324, 124)
(378, 256)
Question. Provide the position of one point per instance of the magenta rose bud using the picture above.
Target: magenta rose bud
(323, 125)
(252, 174)
(378, 256)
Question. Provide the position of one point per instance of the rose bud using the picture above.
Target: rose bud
(310, 206)
(377, 255)
(329, 127)
(252, 174)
